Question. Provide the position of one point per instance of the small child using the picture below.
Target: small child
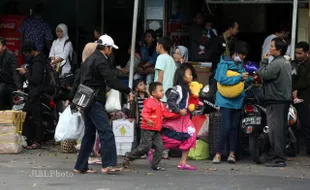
(152, 118)
(136, 109)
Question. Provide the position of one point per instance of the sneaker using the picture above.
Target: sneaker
(216, 159)
(231, 159)
(158, 169)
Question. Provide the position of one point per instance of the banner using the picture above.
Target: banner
(9, 29)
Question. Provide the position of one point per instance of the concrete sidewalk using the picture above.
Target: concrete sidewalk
(49, 169)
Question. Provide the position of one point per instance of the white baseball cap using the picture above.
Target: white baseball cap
(106, 40)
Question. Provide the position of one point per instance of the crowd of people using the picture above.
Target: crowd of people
(161, 114)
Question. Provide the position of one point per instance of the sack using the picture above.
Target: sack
(73, 58)
(201, 152)
(113, 102)
(232, 91)
(51, 81)
(70, 126)
(84, 96)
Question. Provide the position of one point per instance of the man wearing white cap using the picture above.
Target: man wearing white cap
(96, 74)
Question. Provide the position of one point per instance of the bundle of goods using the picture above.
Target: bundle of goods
(11, 123)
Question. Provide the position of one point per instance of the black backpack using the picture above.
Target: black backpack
(73, 58)
(51, 81)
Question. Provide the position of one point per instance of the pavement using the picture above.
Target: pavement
(50, 169)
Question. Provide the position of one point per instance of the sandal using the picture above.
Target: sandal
(186, 167)
(89, 171)
(111, 170)
(126, 162)
(94, 161)
(150, 156)
(231, 159)
(34, 146)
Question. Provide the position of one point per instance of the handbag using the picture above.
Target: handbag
(84, 96)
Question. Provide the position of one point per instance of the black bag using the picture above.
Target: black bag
(73, 58)
(51, 82)
(84, 96)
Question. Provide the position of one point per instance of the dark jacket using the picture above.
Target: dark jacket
(302, 81)
(277, 80)
(177, 98)
(8, 73)
(96, 73)
(35, 76)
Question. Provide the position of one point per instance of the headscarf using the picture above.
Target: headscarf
(60, 43)
(183, 52)
(88, 50)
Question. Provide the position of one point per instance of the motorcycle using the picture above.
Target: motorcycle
(255, 126)
(49, 118)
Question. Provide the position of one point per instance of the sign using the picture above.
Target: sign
(9, 29)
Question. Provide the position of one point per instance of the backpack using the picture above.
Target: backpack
(51, 81)
(73, 58)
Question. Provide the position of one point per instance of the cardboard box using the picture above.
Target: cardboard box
(123, 130)
(203, 74)
(122, 148)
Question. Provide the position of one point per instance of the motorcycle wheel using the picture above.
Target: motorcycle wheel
(291, 144)
(257, 149)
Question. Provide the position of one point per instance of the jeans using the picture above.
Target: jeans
(95, 118)
(231, 121)
(149, 139)
(277, 123)
(149, 78)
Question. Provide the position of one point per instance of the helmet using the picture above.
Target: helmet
(292, 115)
(251, 67)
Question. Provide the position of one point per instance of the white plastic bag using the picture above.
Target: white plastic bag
(203, 133)
(70, 126)
(113, 102)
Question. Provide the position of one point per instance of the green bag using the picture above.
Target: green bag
(201, 152)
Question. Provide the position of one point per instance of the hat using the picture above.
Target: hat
(106, 40)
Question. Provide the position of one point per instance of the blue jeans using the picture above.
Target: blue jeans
(231, 120)
(95, 118)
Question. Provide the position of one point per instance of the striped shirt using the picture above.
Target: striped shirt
(140, 101)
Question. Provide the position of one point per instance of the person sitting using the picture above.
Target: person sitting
(9, 78)
(137, 61)
(148, 58)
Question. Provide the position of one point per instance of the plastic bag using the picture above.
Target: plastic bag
(201, 152)
(201, 124)
(113, 102)
(70, 126)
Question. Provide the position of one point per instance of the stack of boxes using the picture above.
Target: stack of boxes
(11, 123)
(124, 135)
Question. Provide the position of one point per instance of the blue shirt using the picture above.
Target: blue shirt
(226, 64)
(145, 57)
(35, 29)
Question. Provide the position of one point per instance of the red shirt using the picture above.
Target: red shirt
(156, 111)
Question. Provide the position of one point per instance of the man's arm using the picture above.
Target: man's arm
(37, 74)
(16, 76)
(105, 71)
(160, 66)
(268, 71)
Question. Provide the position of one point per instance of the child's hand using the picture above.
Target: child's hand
(150, 123)
(183, 112)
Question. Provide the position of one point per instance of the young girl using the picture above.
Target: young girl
(180, 133)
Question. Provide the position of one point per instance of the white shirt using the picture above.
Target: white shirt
(59, 50)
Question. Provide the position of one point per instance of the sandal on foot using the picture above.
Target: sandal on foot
(34, 146)
(150, 156)
(186, 167)
(111, 170)
(216, 159)
(94, 161)
(89, 171)
(126, 162)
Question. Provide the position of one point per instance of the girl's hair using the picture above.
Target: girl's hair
(154, 43)
(237, 46)
(179, 76)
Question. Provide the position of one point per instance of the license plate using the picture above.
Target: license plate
(252, 121)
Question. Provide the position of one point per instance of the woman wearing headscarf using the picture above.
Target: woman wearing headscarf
(61, 51)
(180, 56)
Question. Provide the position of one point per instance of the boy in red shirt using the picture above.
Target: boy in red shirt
(152, 118)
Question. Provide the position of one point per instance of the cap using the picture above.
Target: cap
(106, 40)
